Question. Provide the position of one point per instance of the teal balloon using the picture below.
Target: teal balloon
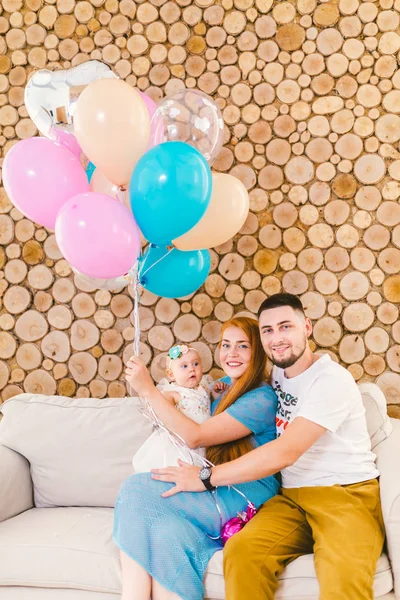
(173, 273)
(90, 169)
(170, 191)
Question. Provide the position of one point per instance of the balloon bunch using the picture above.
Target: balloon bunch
(113, 164)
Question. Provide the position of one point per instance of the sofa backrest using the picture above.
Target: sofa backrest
(80, 450)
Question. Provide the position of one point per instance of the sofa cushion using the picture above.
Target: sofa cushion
(72, 548)
(378, 421)
(80, 450)
(60, 547)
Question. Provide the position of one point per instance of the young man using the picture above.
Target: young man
(330, 502)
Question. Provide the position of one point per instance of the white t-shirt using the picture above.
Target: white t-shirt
(326, 394)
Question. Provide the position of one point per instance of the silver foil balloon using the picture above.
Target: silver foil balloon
(51, 96)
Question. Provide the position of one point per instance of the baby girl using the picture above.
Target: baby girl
(189, 391)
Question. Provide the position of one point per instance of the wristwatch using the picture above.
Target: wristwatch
(205, 476)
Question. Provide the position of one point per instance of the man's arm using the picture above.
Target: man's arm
(261, 462)
(272, 457)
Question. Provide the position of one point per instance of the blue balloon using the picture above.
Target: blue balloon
(170, 191)
(90, 169)
(173, 273)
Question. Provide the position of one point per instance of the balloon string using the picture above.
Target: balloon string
(155, 263)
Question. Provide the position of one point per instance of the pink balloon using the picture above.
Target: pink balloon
(157, 129)
(97, 235)
(40, 176)
(68, 140)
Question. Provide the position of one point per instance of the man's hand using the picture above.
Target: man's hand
(138, 376)
(185, 477)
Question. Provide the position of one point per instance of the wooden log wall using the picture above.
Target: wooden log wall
(310, 95)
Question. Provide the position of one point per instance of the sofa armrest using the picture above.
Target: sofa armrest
(388, 453)
(16, 492)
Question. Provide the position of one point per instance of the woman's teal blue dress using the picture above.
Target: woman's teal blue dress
(172, 537)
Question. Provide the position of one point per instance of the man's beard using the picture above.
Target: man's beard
(285, 363)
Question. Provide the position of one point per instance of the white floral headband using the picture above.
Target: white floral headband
(176, 352)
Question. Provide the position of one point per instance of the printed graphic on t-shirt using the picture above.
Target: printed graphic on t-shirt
(285, 408)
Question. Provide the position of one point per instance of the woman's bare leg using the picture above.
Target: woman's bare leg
(136, 582)
(160, 593)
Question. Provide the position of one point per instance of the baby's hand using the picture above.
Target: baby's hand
(218, 388)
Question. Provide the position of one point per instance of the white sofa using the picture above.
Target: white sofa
(62, 461)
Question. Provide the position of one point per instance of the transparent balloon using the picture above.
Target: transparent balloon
(51, 97)
(193, 117)
(95, 283)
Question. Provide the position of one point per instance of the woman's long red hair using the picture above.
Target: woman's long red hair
(251, 379)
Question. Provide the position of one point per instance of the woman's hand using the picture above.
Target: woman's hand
(185, 477)
(138, 376)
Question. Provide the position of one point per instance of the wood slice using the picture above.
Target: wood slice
(314, 305)
(327, 332)
(67, 387)
(83, 305)
(111, 341)
(358, 317)
(270, 236)
(369, 169)
(167, 310)
(83, 367)
(16, 299)
(6, 228)
(98, 388)
(40, 277)
(376, 237)
(234, 293)
(187, 328)
(8, 345)
(352, 349)
(362, 259)
(377, 340)
(223, 311)
(121, 305)
(40, 382)
(393, 358)
(354, 286)
(374, 365)
(160, 337)
(232, 266)
(202, 305)
(31, 326)
(110, 367)
(146, 318)
(42, 301)
(389, 384)
(387, 313)
(250, 280)
(55, 345)
(310, 260)
(4, 374)
(295, 282)
(336, 212)
(84, 335)
(388, 260)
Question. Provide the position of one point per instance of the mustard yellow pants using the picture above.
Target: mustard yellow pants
(341, 525)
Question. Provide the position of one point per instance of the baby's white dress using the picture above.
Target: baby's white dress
(159, 451)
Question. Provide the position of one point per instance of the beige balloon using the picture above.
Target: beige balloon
(224, 217)
(99, 183)
(112, 126)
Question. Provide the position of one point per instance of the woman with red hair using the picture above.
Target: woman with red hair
(167, 540)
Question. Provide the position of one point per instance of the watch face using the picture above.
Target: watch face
(205, 473)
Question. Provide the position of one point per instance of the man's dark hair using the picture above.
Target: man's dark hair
(278, 300)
